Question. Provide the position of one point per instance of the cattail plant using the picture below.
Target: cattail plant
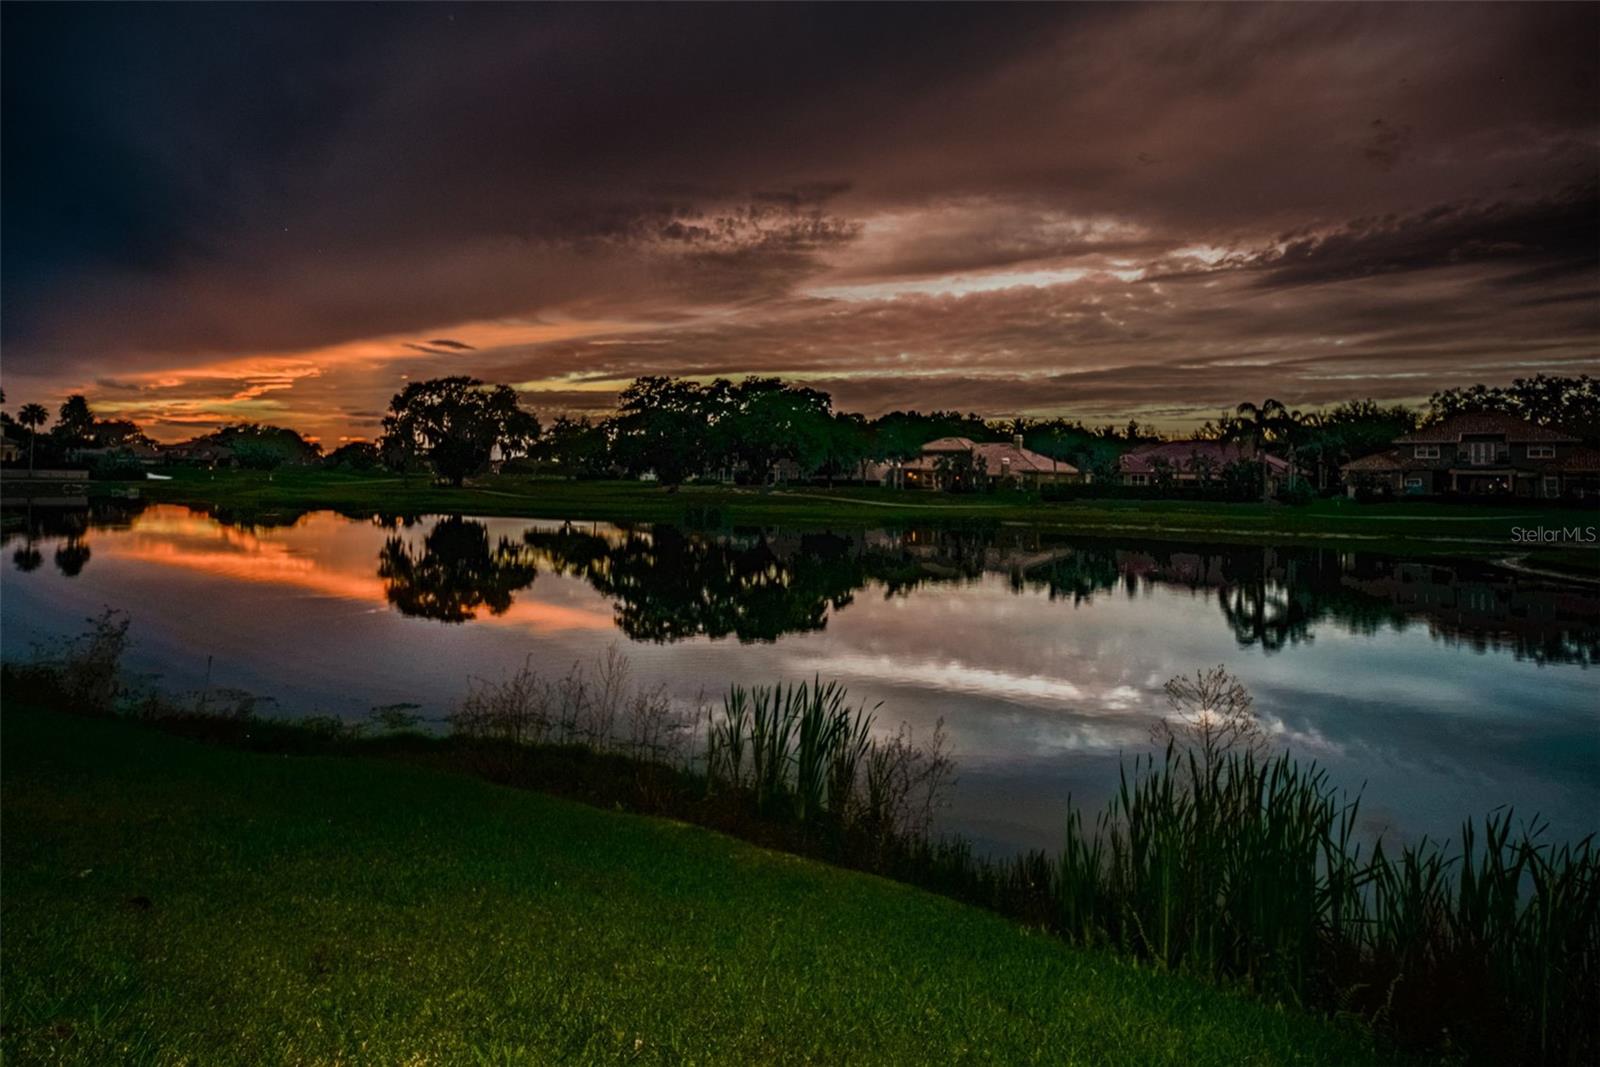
(1246, 870)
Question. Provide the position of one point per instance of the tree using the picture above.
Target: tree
(1559, 402)
(354, 456)
(1259, 425)
(117, 433)
(678, 429)
(665, 425)
(846, 445)
(456, 424)
(576, 446)
(771, 421)
(1204, 467)
(1351, 430)
(75, 422)
(901, 434)
(257, 446)
(1242, 479)
(32, 416)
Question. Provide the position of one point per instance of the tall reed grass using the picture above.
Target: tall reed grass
(596, 705)
(813, 756)
(1251, 871)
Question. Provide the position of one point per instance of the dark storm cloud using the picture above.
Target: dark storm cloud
(1550, 238)
(281, 203)
(153, 145)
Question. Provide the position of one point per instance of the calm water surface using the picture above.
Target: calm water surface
(1448, 688)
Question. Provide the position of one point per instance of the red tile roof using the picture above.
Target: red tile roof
(999, 456)
(1454, 428)
(1578, 461)
(1180, 455)
(1378, 461)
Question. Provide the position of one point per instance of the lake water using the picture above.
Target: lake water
(1448, 688)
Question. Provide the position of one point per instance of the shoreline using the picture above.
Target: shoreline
(1398, 528)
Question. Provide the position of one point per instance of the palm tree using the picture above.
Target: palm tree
(1258, 425)
(32, 416)
(1293, 428)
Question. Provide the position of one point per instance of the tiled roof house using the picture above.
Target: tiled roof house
(1192, 461)
(1481, 454)
(996, 462)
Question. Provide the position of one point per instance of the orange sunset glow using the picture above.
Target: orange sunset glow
(305, 558)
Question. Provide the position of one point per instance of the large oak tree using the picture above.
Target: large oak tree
(455, 424)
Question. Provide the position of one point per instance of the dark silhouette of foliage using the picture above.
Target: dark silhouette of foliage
(457, 573)
(670, 585)
(455, 425)
(72, 556)
(1570, 404)
(355, 456)
(74, 422)
(577, 447)
(32, 416)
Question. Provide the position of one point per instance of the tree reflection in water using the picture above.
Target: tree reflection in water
(669, 585)
(69, 524)
(27, 558)
(71, 556)
(457, 572)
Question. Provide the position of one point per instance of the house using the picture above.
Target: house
(1481, 454)
(10, 451)
(954, 462)
(1195, 462)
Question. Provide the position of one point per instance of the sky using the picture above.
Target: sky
(215, 213)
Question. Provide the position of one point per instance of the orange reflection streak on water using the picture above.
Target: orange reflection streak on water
(173, 537)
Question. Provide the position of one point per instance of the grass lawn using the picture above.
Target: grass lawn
(1410, 528)
(167, 902)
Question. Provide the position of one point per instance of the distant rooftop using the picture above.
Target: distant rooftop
(1452, 429)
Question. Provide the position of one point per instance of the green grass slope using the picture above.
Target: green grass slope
(164, 902)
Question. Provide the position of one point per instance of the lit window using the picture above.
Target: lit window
(1413, 483)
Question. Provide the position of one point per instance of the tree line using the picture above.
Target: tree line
(760, 428)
